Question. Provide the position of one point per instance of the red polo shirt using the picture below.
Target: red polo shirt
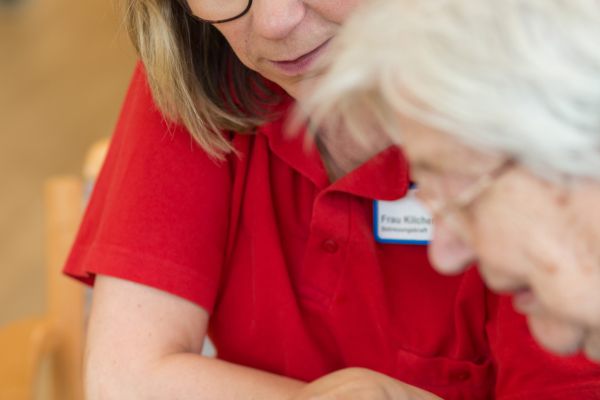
(289, 270)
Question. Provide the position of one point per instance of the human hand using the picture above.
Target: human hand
(360, 384)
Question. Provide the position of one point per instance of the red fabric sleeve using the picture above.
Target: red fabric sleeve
(158, 213)
(528, 372)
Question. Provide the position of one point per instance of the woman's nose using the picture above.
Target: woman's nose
(448, 252)
(276, 19)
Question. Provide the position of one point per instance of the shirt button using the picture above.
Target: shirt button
(329, 246)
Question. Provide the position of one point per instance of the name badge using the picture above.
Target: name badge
(404, 221)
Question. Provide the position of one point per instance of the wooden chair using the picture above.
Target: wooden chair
(52, 344)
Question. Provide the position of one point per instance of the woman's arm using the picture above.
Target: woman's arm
(144, 343)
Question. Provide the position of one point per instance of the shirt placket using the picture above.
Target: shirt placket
(327, 248)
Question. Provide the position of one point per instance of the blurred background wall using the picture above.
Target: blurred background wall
(64, 69)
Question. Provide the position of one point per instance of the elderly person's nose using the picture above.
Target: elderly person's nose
(448, 252)
(276, 19)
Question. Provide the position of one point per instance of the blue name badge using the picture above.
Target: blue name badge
(404, 221)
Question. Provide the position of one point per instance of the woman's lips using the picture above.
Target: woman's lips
(302, 64)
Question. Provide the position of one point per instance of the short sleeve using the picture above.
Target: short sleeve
(528, 372)
(159, 211)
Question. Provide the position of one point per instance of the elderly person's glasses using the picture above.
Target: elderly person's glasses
(451, 209)
(217, 11)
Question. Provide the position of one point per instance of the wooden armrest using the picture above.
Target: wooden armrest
(23, 346)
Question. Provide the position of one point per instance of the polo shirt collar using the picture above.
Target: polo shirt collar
(296, 149)
(384, 177)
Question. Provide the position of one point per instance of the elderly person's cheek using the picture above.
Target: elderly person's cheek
(448, 252)
(556, 334)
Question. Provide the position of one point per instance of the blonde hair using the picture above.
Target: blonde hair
(517, 76)
(195, 77)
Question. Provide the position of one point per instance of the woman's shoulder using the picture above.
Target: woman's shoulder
(142, 131)
(150, 143)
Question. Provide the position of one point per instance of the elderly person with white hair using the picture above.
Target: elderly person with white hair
(496, 105)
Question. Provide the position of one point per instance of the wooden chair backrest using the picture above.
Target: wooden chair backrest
(44, 354)
(63, 199)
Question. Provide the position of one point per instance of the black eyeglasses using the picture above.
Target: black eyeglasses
(217, 11)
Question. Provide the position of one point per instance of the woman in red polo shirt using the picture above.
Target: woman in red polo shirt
(266, 244)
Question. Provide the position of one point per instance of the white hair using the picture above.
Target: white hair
(520, 77)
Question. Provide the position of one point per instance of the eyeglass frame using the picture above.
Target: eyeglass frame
(443, 208)
(186, 5)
